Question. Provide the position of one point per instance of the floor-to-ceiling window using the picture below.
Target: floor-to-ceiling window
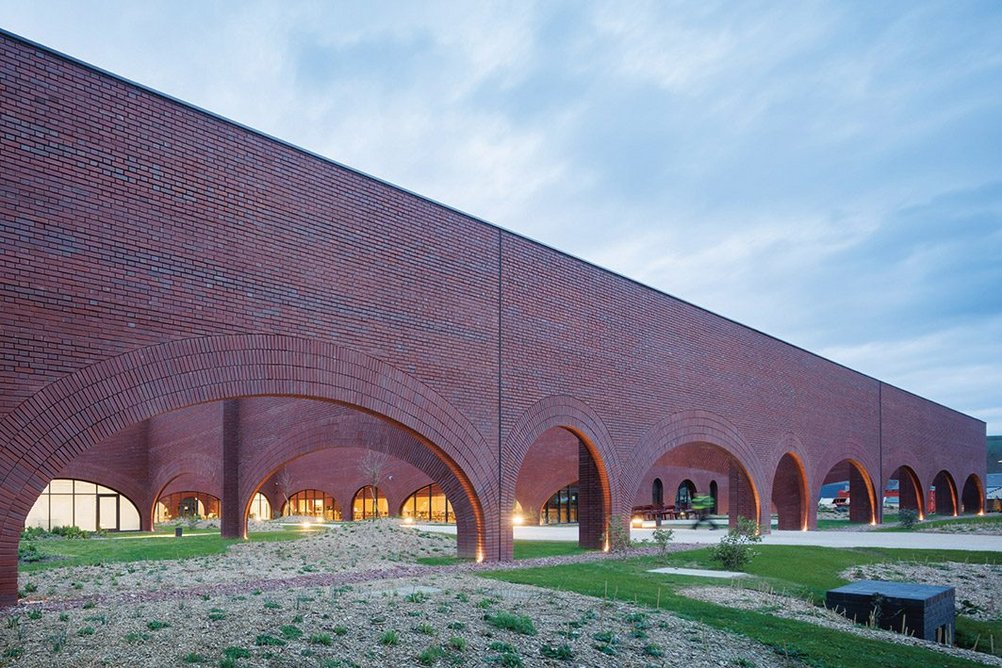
(562, 507)
(82, 504)
(313, 503)
(368, 503)
(428, 504)
(260, 508)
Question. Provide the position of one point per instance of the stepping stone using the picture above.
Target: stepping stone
(699, 573)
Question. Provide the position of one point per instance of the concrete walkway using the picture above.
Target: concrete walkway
(926, 541)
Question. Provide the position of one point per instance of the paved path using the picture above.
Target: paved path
(930, 541)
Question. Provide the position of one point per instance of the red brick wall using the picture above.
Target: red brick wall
(154, 257)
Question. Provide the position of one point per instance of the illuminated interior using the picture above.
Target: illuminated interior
(82, 504)
(428, 504)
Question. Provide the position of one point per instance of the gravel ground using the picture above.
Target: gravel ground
(795, 608)
(979, 586)
(983, 528)
(348, 596)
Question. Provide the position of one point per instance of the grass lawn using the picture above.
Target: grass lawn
(60, 553)
(934, 522)
(803, 571)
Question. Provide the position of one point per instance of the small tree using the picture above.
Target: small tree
(662, 537)
(735, 549)
(373, 467)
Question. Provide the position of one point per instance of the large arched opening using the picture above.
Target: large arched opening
(789, 493)
(557, 441)
(708, 451)
(904, 490)
(944, 491)
(973, 496)
(70, 416)
(847, 493)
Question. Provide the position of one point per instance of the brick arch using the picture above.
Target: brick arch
(693, 427)
(186, 464)
(910, 492)
(577, 417)
(352, 430)
(973, 496)
(946, 494)
(789, 493)
(861, 460)
(79, 410)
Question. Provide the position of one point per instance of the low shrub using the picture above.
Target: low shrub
(512, 622)
(735, 549)
(907, 517)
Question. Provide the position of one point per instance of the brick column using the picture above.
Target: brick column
(860, 509)
(908, 497)
(591, 511)
(232, 521)
(742, 498)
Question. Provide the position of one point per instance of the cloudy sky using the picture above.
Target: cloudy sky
(829, 173)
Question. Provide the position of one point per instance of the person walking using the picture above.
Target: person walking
(702, 505)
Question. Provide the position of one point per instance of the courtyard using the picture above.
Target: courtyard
(381, 592)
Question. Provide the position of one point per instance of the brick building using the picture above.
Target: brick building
(192, 310)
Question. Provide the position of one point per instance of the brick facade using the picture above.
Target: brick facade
(155, 258)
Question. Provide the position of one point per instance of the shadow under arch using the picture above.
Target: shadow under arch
(789, 493)
(910, 493)
(683, 435)
(74, 413)
(597, 458)
(946, 494)
(973, 496)
(353, 430)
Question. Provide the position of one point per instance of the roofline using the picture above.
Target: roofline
(475, 219)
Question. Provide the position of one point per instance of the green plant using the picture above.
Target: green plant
(340, 630)
(560, 652)
(416, 597)
(651, 649)
(735, 549)
(907, 518)
(431, 655)
(265, 640)
(156, 625)
(192, 657)
(512, 622)
(389, 638)
(321, 639)
(290, 632)
(426, 629)
(617, 534)
(457, 643)
(662, 537)
(85, 631)
(234, 653)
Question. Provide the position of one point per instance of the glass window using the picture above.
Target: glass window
(60, 487)
(79, 503)
(260, 507)
(428, 504)
(85, 512)
(368, 502)
(562, 507)
(313, 503)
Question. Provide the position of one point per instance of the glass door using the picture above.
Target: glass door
(107, 512)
